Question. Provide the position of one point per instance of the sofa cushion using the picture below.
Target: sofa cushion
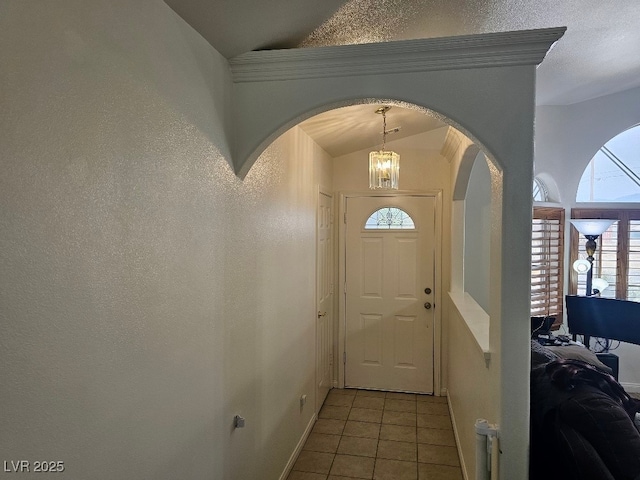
(541, 354)
(606, 426)
(579, 460)
(578, 352)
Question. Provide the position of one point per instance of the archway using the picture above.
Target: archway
(485, 86)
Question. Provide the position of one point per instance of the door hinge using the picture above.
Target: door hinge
(344, 357)
(345, 287)
(345, 217)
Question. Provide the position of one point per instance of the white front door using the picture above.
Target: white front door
(324, 295)
(389, 294)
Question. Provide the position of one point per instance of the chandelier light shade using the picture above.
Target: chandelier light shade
(384, 166)
(384, 169)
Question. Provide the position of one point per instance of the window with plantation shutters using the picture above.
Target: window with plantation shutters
(617, 258)
(547, 251)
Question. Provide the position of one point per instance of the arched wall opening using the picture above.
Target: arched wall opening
(485, 86)
(477, 232)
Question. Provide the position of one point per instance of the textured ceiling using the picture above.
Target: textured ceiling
(598, 55)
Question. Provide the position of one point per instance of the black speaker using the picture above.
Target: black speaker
(611, 360)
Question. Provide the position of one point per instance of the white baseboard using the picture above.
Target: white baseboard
(631, 387)
(298, 449)
(463, 466)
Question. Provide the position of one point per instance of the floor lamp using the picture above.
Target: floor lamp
(591, 229)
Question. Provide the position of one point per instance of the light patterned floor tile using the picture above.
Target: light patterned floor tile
(428, 471)
(329, 426)
(434, 421)
(306, 476)
(320, 442)
(398, 433)
(336, 413)
(365, 415)
(432, 408)
(361, 429)
(339, 400)
(315, 462)
(395, 470)
(398, 450)
(401, 396)
(399, 405)
(364, 447)
(436, 436)
(352, 466)
(375, 403)
(438, 454)
(399, 418)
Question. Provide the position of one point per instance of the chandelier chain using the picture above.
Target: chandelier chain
(384, 128)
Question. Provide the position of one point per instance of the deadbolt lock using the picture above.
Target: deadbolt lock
(427, 290)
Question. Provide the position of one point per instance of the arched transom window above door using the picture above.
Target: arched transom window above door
(388, 218)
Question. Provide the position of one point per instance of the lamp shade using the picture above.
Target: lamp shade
(581, 266)
(592, 227)
(384, 170)
(600, 284)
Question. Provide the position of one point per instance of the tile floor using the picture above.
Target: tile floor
(381, 436)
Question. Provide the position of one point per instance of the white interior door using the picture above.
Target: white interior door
(389, 295)
(324, 295)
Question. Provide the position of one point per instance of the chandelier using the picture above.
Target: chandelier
(384, 166)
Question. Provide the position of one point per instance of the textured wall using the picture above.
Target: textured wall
(147, 294)
(469, 385)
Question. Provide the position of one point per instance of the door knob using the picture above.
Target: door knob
(321, 314)
(427, 305)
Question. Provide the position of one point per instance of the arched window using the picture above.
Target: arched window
(613, 175)
(540, 192)
(389, 218)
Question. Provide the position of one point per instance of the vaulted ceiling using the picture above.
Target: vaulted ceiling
(598, 54)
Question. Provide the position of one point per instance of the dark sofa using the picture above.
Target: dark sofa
(582, 424)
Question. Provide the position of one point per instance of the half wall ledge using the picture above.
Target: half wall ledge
(476, 320)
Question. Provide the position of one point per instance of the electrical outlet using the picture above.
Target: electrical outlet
(238, 421)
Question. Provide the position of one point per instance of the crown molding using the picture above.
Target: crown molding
(452, 142)
(525, 47)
